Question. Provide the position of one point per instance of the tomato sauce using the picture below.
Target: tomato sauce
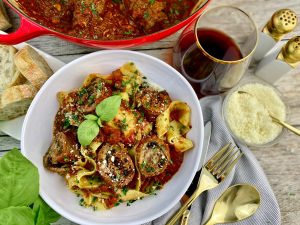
(107, 19)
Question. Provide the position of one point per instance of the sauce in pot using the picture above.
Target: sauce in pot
(107, 19)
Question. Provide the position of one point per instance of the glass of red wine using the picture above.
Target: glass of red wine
(214, 51)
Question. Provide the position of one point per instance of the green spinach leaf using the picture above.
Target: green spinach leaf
(19, 180)
(87, 131)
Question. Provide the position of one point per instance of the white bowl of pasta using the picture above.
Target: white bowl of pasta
(116, 136)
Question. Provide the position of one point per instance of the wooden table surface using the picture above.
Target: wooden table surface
(280, 162)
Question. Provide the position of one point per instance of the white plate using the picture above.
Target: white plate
(13, 127)
(37, 135)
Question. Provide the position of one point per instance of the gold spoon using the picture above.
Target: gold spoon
(276, 120)
(237, 203)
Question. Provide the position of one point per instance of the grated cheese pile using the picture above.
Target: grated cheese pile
(248, 114)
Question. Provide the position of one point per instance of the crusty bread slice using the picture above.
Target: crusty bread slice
(14, 101)
(33, 66)
(9, 74)
(4, 20)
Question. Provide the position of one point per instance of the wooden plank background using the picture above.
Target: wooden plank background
(281, 162)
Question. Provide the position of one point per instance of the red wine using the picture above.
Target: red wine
(203, 71)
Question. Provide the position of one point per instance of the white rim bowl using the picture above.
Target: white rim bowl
(37, 135)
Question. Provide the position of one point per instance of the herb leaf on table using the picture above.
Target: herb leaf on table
(19, 190)
(19, 180)
(44, 215)
(15, 215)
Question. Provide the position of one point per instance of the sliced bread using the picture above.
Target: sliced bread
(14, 101)
(9, 74)
(4, 20)
(33, 66)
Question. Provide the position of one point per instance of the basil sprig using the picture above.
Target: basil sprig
(20, 202)
(106, 111)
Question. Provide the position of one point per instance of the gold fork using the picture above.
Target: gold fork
(212, 174)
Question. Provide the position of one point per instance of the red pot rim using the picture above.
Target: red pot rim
(35, 29)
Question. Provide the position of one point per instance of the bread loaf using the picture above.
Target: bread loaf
(14, 101)
(33, 66)
(9, 74)
(4, 20)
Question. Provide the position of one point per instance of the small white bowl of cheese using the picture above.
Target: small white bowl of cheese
(247, 109)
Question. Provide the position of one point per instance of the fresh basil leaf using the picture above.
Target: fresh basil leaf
(99, 122)
(19, 180)
(87, 131)
(44, 215)
(91, 117)
(108, 108)
(16, 215)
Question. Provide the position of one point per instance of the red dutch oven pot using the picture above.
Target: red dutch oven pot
(30, 29)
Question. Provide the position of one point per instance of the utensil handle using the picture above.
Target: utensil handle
(185, 217)
(288, 126)
(209, 222)
(26, 31)
(193, 197)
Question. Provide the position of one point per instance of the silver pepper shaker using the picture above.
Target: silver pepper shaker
(282, 22)
(279, 61)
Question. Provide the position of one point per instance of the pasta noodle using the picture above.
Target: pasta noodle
(177, 128)
(133, 153)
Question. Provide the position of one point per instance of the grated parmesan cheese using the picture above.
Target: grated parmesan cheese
(248, 117)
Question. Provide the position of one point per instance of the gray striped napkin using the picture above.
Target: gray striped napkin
(247, 170)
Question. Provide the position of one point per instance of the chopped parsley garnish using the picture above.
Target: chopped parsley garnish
(124, 190)
(140, 120)
(144, 84)
(146, 15)
(66, 123)
(135, 113)
(118, 202)
(128, 32)
(151, 2)
(91, 99)
(143, 164)
(81, 202)
(150, 169)
(99, 87)
(75, 118)
(82, 92)
(83, 6)
(135, 85)
(130, 202)
(147, 105)
(124, 83)
(93, 8)
(123, 125)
